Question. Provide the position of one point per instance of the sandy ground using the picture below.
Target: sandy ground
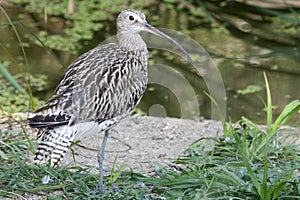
(143, 143)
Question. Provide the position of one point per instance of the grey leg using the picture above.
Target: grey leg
(101, 158)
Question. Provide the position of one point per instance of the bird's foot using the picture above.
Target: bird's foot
(112, 188)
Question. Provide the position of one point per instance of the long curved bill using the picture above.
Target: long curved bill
(157, 32)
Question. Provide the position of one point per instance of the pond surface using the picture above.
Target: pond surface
(240, 58)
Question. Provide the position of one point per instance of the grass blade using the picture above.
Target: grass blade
(288, 112)
(16, 32)
(285, 115)
(23, 52)
(220, 113)
(264, 189)
(269, 105)
(247, 163)
(9, 77)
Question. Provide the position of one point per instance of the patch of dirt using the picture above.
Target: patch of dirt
(143, 143)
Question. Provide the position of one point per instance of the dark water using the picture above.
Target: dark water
(176, 88)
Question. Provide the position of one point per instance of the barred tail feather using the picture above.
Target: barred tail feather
(54, 144)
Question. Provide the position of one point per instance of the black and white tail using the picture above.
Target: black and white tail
(54, 144)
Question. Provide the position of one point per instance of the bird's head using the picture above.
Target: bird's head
(133, 21)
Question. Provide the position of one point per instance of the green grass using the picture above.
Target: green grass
(249, 162)
(19, 177)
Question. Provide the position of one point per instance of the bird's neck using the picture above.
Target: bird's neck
(132, 41)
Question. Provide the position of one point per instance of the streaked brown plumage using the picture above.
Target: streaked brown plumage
(99, 88)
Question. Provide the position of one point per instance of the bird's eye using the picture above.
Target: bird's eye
(131, 18)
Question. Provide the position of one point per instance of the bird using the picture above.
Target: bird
(100, 88)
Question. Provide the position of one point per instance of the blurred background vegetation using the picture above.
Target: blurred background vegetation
(244, 39)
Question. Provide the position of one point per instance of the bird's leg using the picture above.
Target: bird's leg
(101, 158)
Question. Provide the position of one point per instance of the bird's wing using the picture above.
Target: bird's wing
(70, 90)
(88, 89)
